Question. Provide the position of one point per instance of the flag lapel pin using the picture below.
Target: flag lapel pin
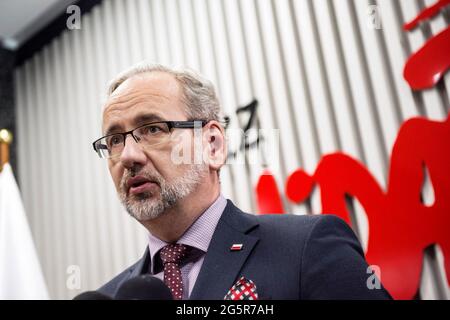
(236, 247)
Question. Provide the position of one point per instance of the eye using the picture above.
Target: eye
(153, 129)
(115, 140)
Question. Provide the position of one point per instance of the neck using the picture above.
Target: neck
(174, 222)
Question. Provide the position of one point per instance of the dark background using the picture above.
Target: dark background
(7, 109)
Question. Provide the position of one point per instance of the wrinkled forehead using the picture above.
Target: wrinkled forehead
(155, 92)
(157, 84)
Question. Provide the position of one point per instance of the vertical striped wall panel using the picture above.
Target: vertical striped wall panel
(322, 77)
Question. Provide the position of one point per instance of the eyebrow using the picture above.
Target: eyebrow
(137, 121)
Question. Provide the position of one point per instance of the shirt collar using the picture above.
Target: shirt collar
(198, 235)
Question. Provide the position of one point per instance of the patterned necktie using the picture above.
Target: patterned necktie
(171, 257)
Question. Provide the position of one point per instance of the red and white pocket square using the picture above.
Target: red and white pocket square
(243, 289)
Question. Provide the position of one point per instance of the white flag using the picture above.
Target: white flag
(20, 273)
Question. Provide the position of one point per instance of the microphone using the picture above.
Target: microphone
(92, 295)
(144, 287)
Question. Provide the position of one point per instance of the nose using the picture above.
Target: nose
(132, 154)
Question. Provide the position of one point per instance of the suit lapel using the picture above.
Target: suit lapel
(137, 269)
(221, 265)
(142, 266)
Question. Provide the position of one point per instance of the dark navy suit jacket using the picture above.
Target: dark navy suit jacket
(286, 256)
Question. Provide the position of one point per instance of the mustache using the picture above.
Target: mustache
(151, 175)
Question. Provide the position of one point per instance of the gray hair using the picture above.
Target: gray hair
(199, 95)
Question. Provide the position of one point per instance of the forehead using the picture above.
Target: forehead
(156, 93)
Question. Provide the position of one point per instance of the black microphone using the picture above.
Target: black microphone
(92, 295)
(144, 287)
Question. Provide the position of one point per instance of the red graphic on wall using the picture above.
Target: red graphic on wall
(401, 226)
(269, 199)
(426, 67)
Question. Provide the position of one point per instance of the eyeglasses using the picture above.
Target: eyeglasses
(149, 134)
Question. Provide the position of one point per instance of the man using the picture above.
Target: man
(200, 244)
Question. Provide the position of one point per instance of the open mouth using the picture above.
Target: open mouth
(140, 184)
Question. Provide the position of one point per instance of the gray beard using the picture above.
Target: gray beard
(148, 206)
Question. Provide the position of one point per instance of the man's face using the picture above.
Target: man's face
(147, 180)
